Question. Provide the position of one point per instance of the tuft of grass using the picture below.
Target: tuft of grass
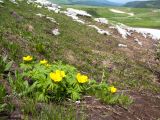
(57, 111)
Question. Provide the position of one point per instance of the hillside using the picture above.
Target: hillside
(86, 2)
(135, 17)
(144, 4)
(111, 54)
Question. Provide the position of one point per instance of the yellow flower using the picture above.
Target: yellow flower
(55, 77)
(82, 78)
(28, 58)
(113, 89)
(62, 73)
(48, 65)
(43, 61)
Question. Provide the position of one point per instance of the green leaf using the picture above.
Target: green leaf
(8, 66)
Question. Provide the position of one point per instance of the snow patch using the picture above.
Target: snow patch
(14, 1)
(101, 20)
(122, 31)
(122, 45)
(145, 32)
(138, 42)
(40, 15)
(39, 6)
(1, 1)
(153, 33)
(51, 19)
(74, 13)
(121, 12)
(100, 31)
(80, 21)
(47, 4)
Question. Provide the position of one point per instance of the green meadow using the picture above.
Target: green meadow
(143, 17)
(78, 49)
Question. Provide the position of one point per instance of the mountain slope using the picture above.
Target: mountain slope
(87, 2)
(144, 4)
(27, 29)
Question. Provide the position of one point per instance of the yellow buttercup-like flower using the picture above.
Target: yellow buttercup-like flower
(113, 89)
(43, 61)
(82, 78)
(57, 76)
(62, 73)
(28, 58)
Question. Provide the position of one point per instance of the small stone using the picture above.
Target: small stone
(55, 32)
(29, 28)
(78, 102)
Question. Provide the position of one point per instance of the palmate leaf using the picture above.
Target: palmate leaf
(26, 66)
(2, 107)
(75, 95)
(5, 58)
(8, 66)
(42, 97)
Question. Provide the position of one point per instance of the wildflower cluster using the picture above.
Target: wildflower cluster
(58, 82)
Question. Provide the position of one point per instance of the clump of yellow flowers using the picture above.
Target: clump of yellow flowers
(82, 78)
(57, 76)
(27, 58)
(58, 81)
(113, 89)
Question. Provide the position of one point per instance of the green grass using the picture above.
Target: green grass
(52, 111)
(144, 17)
(77, 44)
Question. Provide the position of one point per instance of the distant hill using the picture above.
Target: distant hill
(87, 2)
(144, 4)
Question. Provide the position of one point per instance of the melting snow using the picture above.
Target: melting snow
(1, 1)
(51, 19)
(122, 31)
(122, 45)
(100, 31)
(74, 13)
(101, 20)
(40, 15)
(14, 1)
(80, 21)
(146, 32)
(47, 4)
(121, 12)
(153, 33)
(139, 43)
(39, 6)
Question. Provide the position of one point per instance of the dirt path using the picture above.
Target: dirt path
(145, 107)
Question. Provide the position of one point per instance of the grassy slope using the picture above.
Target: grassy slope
(144, 4)
(78, 45)
(144, 17)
